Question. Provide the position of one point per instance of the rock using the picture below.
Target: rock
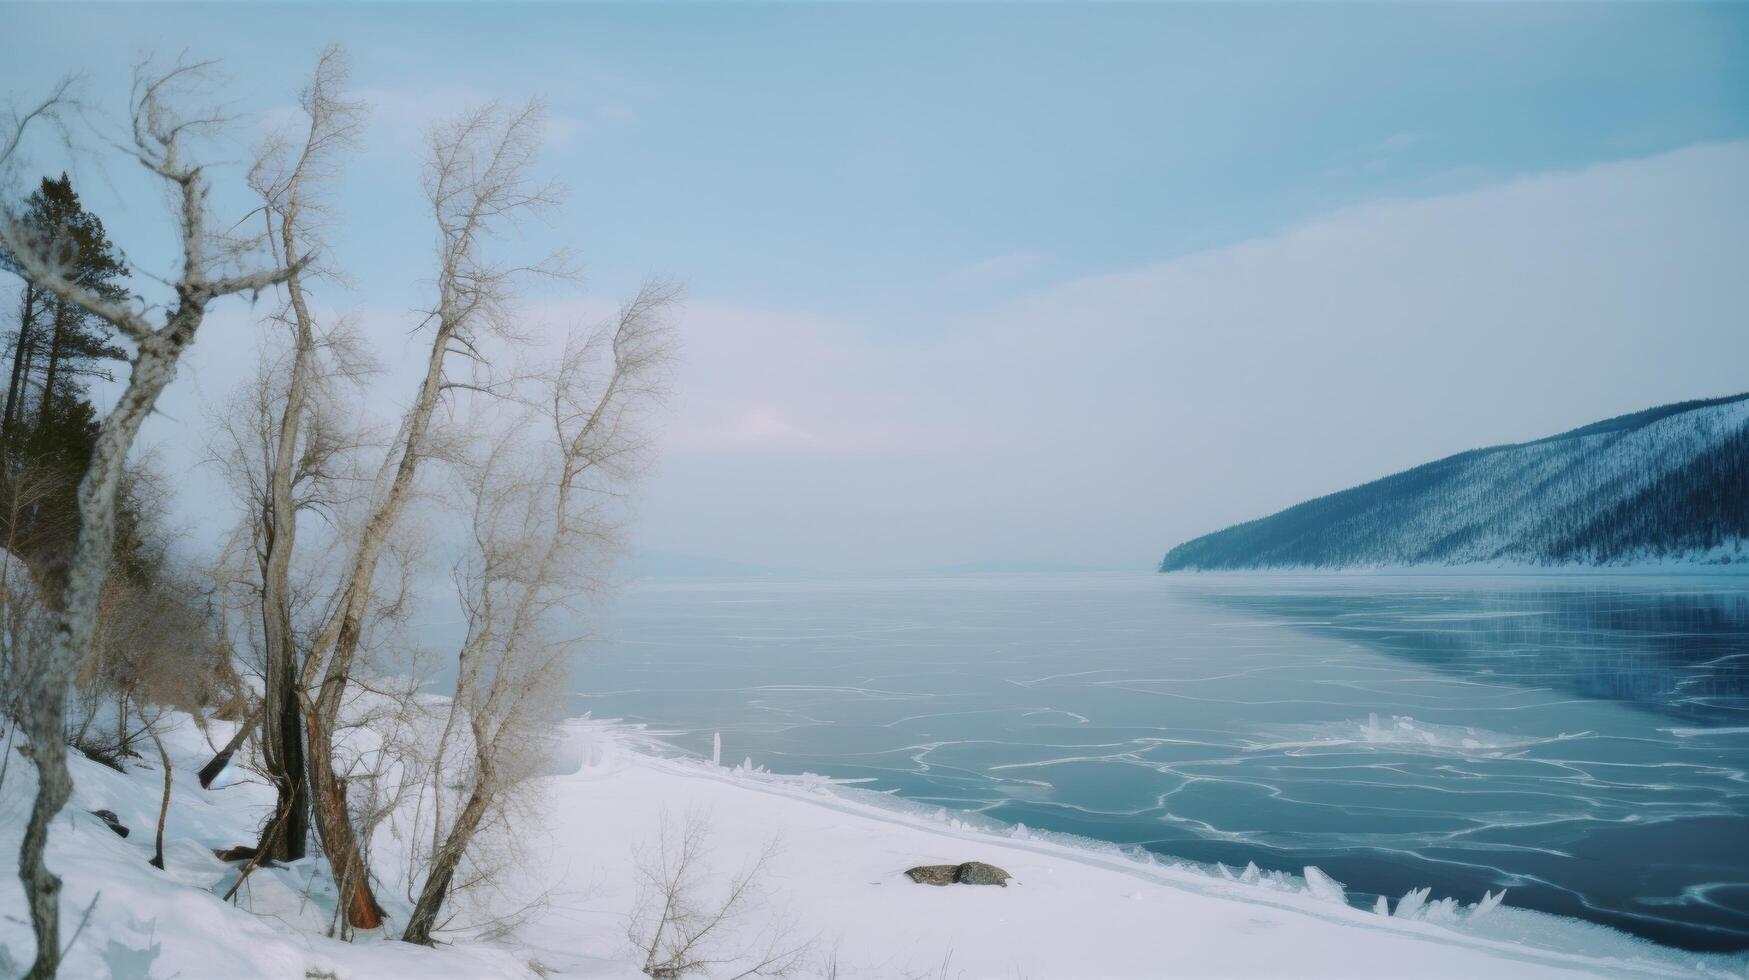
(110, 819)
(934, 874)
(979, 873)
(969, 873)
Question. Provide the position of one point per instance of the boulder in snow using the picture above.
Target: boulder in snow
(979, 873)
(114, 822)
(969, 873)
(934, 874)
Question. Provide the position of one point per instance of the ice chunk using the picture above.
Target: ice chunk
(1412, 902)
(1382, 907)
(1489, 903)
(1324, 888)
(1443, 911)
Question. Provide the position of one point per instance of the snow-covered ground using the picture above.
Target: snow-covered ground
(834, 884)
(140, 922)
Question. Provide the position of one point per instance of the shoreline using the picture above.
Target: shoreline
(834, 884)
(1518, 941)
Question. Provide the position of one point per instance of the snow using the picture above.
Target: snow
(148, 923)
(1074, 908)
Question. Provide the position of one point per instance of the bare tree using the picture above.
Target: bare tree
(151, 721)
(479, 178)
(537, 517)
(160, 137)
(287, 179)
(680, 920)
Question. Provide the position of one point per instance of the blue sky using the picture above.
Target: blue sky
(876, 184)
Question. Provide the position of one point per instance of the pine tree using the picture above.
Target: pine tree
(67, 344)
(47, 423)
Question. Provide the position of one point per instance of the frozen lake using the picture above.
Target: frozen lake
(1582, 741)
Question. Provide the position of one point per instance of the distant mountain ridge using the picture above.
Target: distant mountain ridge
(1668, 484)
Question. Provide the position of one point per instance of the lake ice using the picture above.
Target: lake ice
(1581, 741)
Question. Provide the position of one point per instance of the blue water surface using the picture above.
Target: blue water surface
(1582, 741)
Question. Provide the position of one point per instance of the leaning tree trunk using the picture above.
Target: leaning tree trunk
(75, 607)
(76, 618)
(163, 804)
(222, 757)
(341, 638)
(478, 177)
(446, 860)
(339, 842)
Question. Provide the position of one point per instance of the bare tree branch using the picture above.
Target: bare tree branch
(680, 914)
(158, 135)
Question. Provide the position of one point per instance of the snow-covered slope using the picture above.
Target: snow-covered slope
(121, 918)
(834, 884)
(1669, 484)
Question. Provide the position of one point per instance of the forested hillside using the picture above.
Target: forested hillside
(1666, 484)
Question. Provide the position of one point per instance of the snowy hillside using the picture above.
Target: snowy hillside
(830, 891)
(1669, 484)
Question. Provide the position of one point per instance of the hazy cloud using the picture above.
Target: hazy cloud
(1110, 417)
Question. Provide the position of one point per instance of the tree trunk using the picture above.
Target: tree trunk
(222, 758)
(444, 863)
(123, 743)
(282, 726)
(56, 341)
(345, 861)
(342, 636)
(468, 195)
(283, 752)
(283, 736)
(42, 888)
(75, 620)
(164, 805)
(74, 607)
(20, 356)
